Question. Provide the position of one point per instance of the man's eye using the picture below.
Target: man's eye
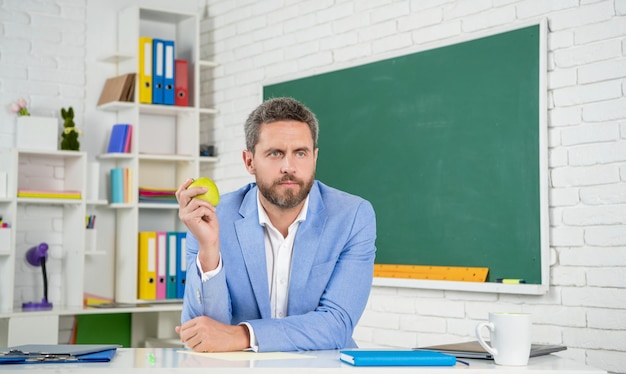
(275, 154)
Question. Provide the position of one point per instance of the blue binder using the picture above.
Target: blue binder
(168, 73)
(157, 71)
(181, 272)
(390, 357)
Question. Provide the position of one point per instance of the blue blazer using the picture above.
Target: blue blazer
(330, 280)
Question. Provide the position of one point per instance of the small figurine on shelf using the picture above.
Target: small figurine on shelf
(70, 133)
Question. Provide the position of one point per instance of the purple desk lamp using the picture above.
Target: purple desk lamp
(37, 256)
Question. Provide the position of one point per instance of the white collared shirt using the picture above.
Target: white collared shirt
(278, 251)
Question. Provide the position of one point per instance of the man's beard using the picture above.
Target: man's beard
(289, 198)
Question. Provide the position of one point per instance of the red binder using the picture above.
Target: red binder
(181, 76)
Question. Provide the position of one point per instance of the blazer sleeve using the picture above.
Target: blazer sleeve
(331, 324)
(210, 298)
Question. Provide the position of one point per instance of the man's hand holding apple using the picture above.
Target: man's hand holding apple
(196, 201)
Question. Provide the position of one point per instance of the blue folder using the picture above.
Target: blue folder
(58, 353)
(365, 357)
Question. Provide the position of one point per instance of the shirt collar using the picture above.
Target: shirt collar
(265, 220)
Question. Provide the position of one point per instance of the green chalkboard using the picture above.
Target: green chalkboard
(445, 144)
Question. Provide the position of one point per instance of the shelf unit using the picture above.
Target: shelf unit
(49, 170)
(164, 143)
(164, 153)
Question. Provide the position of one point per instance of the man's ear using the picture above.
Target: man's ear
(248, 161)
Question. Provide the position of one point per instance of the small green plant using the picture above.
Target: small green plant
(70, 133)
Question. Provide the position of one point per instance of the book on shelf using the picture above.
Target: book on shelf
(121, 185)
(119, 141)
(49, 194)
(128, 185)
(120, 88)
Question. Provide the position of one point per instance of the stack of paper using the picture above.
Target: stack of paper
(157, 195)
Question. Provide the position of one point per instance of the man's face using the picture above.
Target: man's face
(283, 162)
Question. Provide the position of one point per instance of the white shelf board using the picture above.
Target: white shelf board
(207, 63)
(34, 200)
(165, 157)
(489, 287)
(115, 58)
(157, 205)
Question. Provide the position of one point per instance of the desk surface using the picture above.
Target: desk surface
(172, 360)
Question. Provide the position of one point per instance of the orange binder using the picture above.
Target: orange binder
(146, 282)
(145, 70)
(181, 77)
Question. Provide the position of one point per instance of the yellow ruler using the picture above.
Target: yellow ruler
(451, 273)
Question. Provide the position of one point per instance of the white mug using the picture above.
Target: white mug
(510, 338)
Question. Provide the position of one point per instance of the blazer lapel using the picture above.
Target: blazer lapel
(251, 240)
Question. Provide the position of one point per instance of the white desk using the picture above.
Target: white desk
(170, 360)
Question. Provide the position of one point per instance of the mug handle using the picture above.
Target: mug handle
(480, 339)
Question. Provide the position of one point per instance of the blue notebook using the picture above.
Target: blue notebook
(366, 357)
(117, 140)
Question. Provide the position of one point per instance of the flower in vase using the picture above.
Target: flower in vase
(19, 107)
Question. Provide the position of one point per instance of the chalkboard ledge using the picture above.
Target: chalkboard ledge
(489, 287)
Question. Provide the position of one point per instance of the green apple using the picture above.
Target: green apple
(212, 195)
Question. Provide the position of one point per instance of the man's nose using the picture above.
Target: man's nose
(287, 166)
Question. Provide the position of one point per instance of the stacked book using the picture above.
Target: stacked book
(157, 195)
(121, 185)
(48, 194)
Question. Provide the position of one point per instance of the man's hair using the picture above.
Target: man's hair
(278, 109)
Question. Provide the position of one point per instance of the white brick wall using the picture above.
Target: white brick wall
(42, 58)
(44, 50)
(585, 307)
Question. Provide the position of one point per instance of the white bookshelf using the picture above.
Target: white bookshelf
(164, 153)
(24, 170)
(165, 145)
